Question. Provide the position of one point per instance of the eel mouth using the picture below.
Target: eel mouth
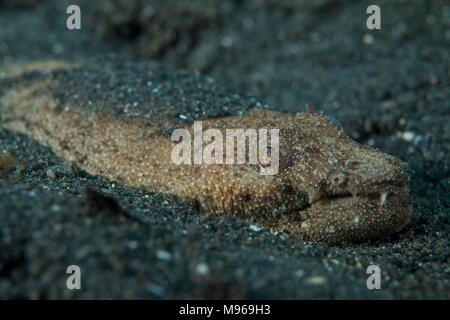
(377, 193)
(347, 217)
(379, 197)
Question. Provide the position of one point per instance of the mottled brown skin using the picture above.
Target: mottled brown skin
(329, 188)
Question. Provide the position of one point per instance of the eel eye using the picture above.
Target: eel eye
(338, 179)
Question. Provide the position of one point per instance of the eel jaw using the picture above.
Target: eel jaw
(354, 218)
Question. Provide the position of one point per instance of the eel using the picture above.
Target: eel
(116, 119)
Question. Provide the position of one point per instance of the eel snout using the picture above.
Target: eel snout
(380, 209)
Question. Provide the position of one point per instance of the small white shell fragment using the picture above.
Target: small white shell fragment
(255, 228)
(408, 136)
(383, 198)
(163, 255)
(202, 268)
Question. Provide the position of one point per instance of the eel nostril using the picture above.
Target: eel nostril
(353, 165)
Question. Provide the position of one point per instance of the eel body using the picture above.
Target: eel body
(117, 120)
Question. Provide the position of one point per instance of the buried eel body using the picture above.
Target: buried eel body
(328, 187)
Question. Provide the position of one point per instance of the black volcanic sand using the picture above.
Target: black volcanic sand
(389, 89)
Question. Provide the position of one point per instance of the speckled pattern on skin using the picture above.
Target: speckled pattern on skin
(329, 187)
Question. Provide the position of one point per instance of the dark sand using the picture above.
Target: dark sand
(390, 91)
